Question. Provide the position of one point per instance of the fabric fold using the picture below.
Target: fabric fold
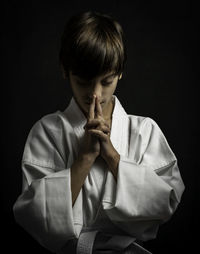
(148, 187)
(36, 210)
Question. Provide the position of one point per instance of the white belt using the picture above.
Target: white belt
(116, 242)
(85, 242)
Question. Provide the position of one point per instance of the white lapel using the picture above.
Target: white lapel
(119, 128)
(76, 118)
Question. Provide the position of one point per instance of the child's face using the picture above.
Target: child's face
(103, 86)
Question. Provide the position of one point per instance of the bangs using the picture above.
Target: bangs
(96, 54)
(96, 48)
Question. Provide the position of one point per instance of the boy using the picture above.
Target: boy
(96, 180)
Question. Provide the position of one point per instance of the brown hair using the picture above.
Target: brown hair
(92, 44)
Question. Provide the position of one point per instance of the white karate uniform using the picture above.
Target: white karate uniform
(146, 193)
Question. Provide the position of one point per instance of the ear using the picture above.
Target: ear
(120, 76)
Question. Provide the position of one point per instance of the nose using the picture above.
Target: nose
(96, 89)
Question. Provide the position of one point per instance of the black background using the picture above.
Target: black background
(160, 81)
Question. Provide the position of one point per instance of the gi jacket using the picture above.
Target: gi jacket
(146, 193)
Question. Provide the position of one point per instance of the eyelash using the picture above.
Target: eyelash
(107, 83)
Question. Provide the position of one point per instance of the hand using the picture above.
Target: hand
(101, 130)
(90, 145)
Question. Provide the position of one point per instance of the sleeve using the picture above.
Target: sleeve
(44, 208)
(149, 186)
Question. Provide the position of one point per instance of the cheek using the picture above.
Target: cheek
(77, 91)
(108, 94)
(111, 90)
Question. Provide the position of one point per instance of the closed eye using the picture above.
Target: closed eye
(107, 83)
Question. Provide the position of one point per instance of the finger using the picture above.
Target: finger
(107, 124)
(94, 123)
(98, 108)
(92, 107)
(99, 134)
(104, 129)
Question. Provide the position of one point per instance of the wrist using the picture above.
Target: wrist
(112, 160)
(88, 157)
